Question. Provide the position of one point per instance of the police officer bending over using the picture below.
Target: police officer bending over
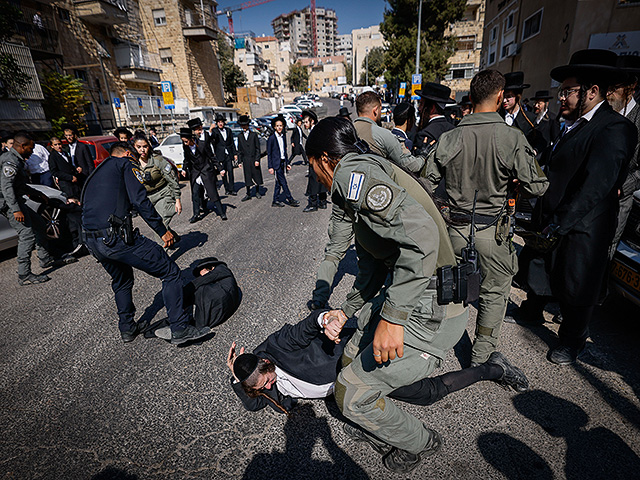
(109, 194)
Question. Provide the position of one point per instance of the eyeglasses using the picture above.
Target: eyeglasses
(566, 93)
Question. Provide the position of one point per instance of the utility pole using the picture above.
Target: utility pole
(418, 40)
(366, 63)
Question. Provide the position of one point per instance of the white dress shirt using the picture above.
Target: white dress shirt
(628, 107)
(280, 138)
(38, 162)
(72, 152)
(509, 118)
(584, 118)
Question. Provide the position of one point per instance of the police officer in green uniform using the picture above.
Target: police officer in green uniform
(484, 154)
(27, 223)
(408, 337)
(160, 181)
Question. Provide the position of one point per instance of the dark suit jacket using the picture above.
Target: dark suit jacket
(220, 145)
(434, 129)
(84, 159)
(586, 167)
(549, 129)
(526, 121)
(202, 163)
(62, 168)
(249, 149)
(273, 152)
(296, 140)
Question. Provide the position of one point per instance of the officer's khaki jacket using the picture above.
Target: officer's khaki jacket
(158, 174)
(483, 153)
(13, 182)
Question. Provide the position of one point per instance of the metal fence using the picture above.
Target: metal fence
(150, 106)
(22, 55)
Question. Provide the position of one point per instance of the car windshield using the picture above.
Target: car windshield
(107, 145)
(93, 150)
(172, 140)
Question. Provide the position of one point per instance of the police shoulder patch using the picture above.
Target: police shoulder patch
(139, 175)
(356, 180)
(379, 197)
(167, 168)
(9, 171)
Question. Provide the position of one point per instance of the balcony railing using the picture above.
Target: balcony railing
(136, 64)
(102, 12)
(37, 30)
(150, 106)
(200, 26)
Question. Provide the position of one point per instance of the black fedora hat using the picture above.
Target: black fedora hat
(465, 102)
(311, 114)
(186, 132)
(220, 117)
(194, 123)
(592, 63)
(276, 118)
(244, 120)
(542, 95)
(630, 64)
(440, 94)
(515, 81)
(244, 365)
(344, 112)
(205, 262)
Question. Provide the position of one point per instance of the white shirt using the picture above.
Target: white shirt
(509, 118)
(627, 109)
(280, 138)
(72, 151)
(38, 162)
(246, 134)
(294, 387)
(223, 132)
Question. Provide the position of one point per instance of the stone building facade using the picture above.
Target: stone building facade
(278, 57)
(326, 74)
(363, 41)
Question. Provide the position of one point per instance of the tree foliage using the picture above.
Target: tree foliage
(232, 75)
(400, 31)
(13, 79)
(297, 78)
(376, 63)
(349, 73)
(64, 99)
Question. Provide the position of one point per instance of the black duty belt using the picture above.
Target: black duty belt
(479, 219)
(95, 233)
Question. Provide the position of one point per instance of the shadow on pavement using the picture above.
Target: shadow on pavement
(303, 430)
(513, 458)
(187, 242)
(113, 473)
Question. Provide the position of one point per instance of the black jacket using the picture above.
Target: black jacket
(62, 168)
(202, 162)
(220, 145)
(586, 167)
(526, 123)
(216, 296)
(432, 132)
(83, 158)
(296, 141)
(549, 129)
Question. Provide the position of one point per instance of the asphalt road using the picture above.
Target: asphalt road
(76, 403)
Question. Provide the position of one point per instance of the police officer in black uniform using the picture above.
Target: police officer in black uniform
(108, 197)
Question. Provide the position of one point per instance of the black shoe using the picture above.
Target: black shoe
(32, 279)
(512, 376)
(292, 202)
(223, 216)
(310, 208)
(323, 205)
(195, 218)
(246, 197)
(233, 194)
(563, 355)
(401, 461)
(315, 305)
(277, 204)
(357, 435)
(258, 195)
(188, 334)
(66, 259)
(525, 314)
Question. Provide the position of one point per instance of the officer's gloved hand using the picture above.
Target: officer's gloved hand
(316, 304)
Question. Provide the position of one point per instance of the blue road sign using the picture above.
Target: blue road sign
(158, 102)
(139, 102)
(166, 87)
(116, 102)
(170, 107)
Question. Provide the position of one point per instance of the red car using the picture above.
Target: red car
(99, 146)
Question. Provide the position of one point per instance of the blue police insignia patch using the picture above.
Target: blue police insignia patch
(138, 175)
(379, 197)
(356, 180)
(167, 168)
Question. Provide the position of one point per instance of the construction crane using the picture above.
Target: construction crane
(228, 11)
(314, 28)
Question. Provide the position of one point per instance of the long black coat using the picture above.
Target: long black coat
(204, 164)
(432, 132)
(62, 168)
(221, 145)
(296, 141)
(585, 170)
(248, 155)
(526, 122)
(549, 129)
(83, 158)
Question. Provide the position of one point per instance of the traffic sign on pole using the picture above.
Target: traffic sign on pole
(167, 95)
(403, 88)
(116, 102)
(416, 84)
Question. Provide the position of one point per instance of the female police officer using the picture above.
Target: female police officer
(394, 234)
(160, 181)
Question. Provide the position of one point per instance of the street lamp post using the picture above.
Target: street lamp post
(366, 63)
(418, 40)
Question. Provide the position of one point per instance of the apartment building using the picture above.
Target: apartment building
(296, 27)
(325, 73)
(344, 47)
(535, 36)
(465, 62)
(278, 57)
(248, 56)
(363, 41)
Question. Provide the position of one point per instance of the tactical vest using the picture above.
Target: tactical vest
(153, 179)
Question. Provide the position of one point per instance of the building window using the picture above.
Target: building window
(159, 17)
(188, 17)
(532, 25)
(460, 70)
(81, 75)
(466, 42)
(509, 22)
(165, 55)
(494, 34)
(64, 15)
(200, 90)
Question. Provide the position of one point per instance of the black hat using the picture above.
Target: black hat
(244, 120)
(219, 117)
(436, 93)
(186, 132)
(344, 112)
(312, 115)
(245, 365)
(465, 102)
(205, 262)
(69, 126)
(542, 95)
(515, 81)
(5, 135)
(194, 123)
(590, 63)
(630, 64)
(281, 118)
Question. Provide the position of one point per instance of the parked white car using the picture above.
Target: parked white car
(291, 109)
(171, 147)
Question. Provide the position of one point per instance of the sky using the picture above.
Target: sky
(351, 14)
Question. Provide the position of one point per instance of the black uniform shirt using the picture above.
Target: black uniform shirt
(117, 178)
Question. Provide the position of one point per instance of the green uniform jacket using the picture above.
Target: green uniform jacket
(158, 174)
(396, 236)
(384, 143)
(13, 182)
(483, 153)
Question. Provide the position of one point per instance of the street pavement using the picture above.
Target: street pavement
(76, 403)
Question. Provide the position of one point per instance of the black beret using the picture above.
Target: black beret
(245, 365)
